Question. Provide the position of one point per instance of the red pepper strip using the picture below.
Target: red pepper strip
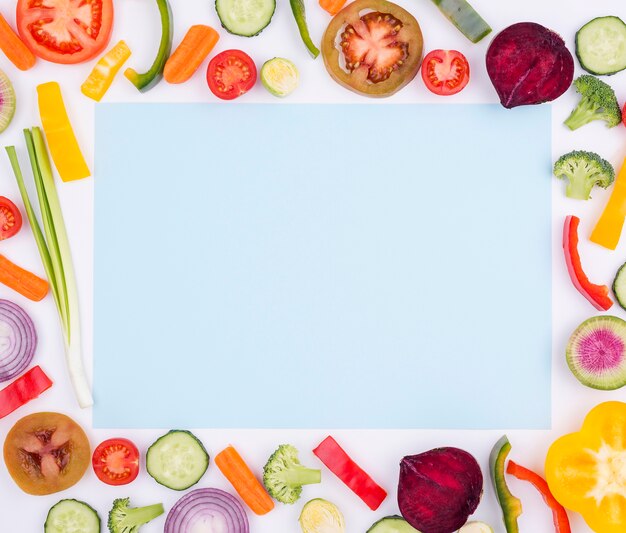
(24, 389)
(559, 514)
(598, 295)
(340, 464)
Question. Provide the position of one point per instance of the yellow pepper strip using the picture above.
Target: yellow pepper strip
(66, 154)
(586, 471)
(103, 74)
(609, 228)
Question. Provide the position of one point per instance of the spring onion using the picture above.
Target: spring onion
(55, 253)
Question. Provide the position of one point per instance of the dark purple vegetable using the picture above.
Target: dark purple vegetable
(207, 510)
(18, 340)
(529, 64)
(439, 489)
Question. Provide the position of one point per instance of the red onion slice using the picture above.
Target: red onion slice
(207, 511)
(18, 340)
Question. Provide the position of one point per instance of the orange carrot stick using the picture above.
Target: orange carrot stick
(14, 48)
(190, 53)
(22, 281)
(243, 481)
(332, 6)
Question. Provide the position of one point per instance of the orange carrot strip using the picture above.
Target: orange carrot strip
(332, 6)
(190, 53)
(14, 48)
(243, 481)
(22, 281)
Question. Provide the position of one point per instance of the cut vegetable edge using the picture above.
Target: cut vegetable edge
(244, 19)
(596, 352)
(619, 286)
(601, 46)
(279, 76)
(75, 514)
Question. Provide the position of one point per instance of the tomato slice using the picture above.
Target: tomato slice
(10, 218)
(65, 31)
(46, 453)
(445, 72)
(116, 461)
(373, 47)
(230, 74)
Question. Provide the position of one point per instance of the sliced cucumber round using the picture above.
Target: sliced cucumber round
(177, 460)
(245, 17)
(392, 524)
(72, 515)
(619, 286)
(601, 45)
(279, 76)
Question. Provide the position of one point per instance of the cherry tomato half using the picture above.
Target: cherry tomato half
(445, 72)
(10, 218)
(116, 461)
(65, 31)
(230, 74)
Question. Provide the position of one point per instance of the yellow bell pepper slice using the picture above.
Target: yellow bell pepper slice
(586, 471)
(609, 228)
(66, 154)
(103, 74)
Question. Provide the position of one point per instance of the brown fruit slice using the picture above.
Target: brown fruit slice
(46, 453)
(373, 47)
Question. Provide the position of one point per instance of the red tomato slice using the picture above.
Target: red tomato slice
(231, 74)
(116, 461)
(65, 31)
(445, 72)
(10, 218)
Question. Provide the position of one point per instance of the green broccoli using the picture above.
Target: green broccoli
(283, 475)
(583, 170)
(597, 102)
(124, 519)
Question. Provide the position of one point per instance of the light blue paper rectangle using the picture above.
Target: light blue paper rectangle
(309, 266)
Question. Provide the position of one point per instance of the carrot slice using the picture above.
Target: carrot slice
(14, 48)
(22, 281)
(190, 53)
(243, 481)
(332, 6)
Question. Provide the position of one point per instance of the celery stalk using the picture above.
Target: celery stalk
(55, 254)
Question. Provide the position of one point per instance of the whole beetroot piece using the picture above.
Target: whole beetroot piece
(439, 489)
(529, 64)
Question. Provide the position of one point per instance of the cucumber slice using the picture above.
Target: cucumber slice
(279, 76)
(601, 45)
(465, 18)
(177, 460)
(245, 17)
(72, 515)
(619, 286)
(392, 524)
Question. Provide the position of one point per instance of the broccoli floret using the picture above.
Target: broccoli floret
(124, 519)
(283, 475)
(597, 102)
(583, 170)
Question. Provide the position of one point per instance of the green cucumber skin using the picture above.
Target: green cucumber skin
(619, 295)
(465, 18)
(168, 435)
(580, 53)
(510, 505)
(392, 524)
(299, 14)
(60, 503)
(233, 31)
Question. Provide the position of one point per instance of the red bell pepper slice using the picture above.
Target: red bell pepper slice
(24, 389)
(598, 295)
(559, 514)
(340, 464)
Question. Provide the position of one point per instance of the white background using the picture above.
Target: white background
(379, 452)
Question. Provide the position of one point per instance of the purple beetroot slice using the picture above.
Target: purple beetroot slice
(529, 64)
(439, 489)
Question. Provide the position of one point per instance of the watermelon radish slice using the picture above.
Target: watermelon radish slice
(596, 352)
